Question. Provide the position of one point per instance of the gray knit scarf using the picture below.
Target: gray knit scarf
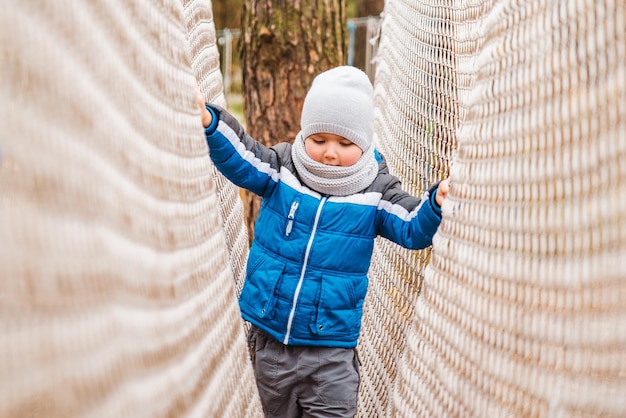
(333, 180)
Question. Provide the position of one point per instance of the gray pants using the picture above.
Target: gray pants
(297, 381)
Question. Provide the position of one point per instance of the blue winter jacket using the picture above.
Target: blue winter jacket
(306, 276)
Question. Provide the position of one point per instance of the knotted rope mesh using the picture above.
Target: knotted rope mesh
(116, 284)
(522, 310)
(123, 249)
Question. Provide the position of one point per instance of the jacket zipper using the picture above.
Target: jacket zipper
(291, 217)
(304, 265)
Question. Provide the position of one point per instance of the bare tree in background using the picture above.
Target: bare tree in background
(284, 44)
(365, 8)
(370, 7)
(227, 13)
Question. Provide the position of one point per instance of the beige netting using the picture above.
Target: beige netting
(116, 287)
(122, 248)
(523, 307)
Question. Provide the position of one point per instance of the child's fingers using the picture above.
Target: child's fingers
(442, 191)
(443, 188)
(200, 100)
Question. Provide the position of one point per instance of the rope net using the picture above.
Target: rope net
(123, 249)
(116, 284)
(522, 309)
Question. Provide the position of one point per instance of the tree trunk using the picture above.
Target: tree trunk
(284, 45)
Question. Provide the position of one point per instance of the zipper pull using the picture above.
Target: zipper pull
(290, 217)
(292, 211)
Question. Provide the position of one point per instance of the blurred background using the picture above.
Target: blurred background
(362, 19)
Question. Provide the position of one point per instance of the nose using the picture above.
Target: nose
(330, 153)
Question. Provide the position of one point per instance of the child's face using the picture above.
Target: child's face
(331, 149)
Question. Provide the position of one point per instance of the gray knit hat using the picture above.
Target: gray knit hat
(340, 102)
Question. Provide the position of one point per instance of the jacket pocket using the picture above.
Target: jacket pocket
(340, 306)
(259, 289)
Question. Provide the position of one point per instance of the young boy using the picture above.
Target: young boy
(325, 199)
